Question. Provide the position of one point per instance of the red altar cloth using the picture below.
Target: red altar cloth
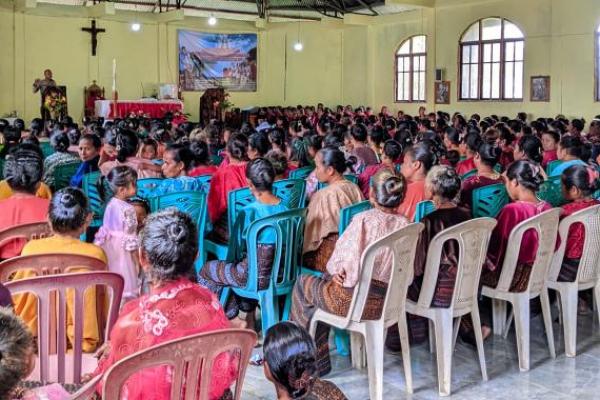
(153, 109)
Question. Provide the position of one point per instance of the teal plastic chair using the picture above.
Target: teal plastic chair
(216, 159)
(301, 173)
(1, 168)
(192, 203)
(63, 174)
(469, 174)
(349, 177)
(292, 193)
(551, 192)
(423, 208)
(47, 149)
(205, 180)
(488, 200)
(552, 166)
(145, 187)
(97, 206)
(289, 230)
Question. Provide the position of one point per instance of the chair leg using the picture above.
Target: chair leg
(431, 337)
(404, 343)
(443, 344)
(287, 307)
(597, 299)
(455, 332)
(269, 311)
(498, 316)
(522, 315)
(545, 300)
(357, 349)
(342, 342)
(374, 340)
(568, 297)
(479, 339)
(508, 323)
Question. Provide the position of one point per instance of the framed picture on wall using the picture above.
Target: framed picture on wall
(540, 88)
(442, 92)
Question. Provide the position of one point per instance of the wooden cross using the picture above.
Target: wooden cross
(94, 32)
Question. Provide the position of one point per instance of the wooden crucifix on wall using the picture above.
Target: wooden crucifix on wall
(94, 31)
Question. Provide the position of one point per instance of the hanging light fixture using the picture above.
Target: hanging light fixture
(135, 26)
(298, 46)
(212, 20)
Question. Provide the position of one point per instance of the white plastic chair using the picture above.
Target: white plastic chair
(473, 237)
(402, 243)
(545, 224)
(588, 273)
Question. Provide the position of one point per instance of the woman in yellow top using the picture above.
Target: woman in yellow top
(69, 217)
(43, 191)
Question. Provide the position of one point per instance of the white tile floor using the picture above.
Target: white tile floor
(548, 379)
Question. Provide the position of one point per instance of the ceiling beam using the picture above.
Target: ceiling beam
(101, 10)
(418, 3)
(170, 16)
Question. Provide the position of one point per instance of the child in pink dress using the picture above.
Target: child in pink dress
(118, 234)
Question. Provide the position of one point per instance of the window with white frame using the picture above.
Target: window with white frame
(411, 69)
(491, 61)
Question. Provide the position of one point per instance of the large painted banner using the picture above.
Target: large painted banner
(211, 60)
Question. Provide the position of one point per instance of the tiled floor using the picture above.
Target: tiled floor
(548, 379)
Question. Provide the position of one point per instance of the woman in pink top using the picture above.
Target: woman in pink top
(418, 160)
(127, 148)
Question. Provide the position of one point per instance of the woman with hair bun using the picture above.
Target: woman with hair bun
(216, 274)
(23, 173)
(323, 217)
(69, 217)
(175, 307)
(290, 364)
(333, 291)
(418, 160)
(201, 163)
(127, 146)
(486, 158)
(60, 142)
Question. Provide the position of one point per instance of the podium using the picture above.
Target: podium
(210, 105)
(54, 103)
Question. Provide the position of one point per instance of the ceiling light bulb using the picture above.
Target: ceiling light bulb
(298, 46)
(212, 21)
(136, 26)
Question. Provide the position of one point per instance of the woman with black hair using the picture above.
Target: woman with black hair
(550, 139)
(323, 217)
(390, 159)
(89, 154)
(290, 364)
(469, 147)
(201, 163)
(60, 142)
(530, 148)
(418, 160)
(359, 148)
(258, 145)
(485, 160)
(126, 146)
(571, 151)
(216, 275)
(178, 160)
(69, 217)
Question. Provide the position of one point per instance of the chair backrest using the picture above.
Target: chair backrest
(49, 264)
(145, 187)
(468, 174)
(55, 286)
(47, 148)
(205, 181)
(63, 174)
(301, 173)
(551, 191)
(552, 166)
(289, 232)
(97, 205)
(589, 264)
(546, 226)
(292, 192)
(192, 203)
(191, 358)
(348, 212)
(472, 237)
(35, 230)
(487, 201)
(402, 244)
(349, 177)
(423, 208)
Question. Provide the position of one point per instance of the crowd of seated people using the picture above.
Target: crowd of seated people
(349, 155)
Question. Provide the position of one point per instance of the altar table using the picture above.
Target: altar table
(152, 108)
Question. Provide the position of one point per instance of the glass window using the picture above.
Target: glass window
(598, 64)
(492, 67)
(411, 64)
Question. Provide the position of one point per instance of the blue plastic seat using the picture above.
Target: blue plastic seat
(1, 168)
(349, 177)
(63, 174)
(551, 191)
(488, 200)
(192, 203)
(97, 206)
(289, 231)
(145, 187)
(301, 173)
(47, 148)
(552, 166)
(423, 208)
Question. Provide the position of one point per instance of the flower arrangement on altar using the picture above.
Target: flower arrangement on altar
(55, 102)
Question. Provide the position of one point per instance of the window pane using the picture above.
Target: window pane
(511, 31)
(466, 54)
(423, 63)
(399, 88)
(472, 34)
(491, 28)
(400, 64)
(509, 52)
(419, 44)
(496, 52)
(598, 64)
(519, 50)
(486, 83)
(496, 81)
(474, 85)
(406, 64)
(464, 88)
(406, 87)
(519, 80)
(487, 52)
(405, 48)
(509, 80)
(474, 53)
(422, 86)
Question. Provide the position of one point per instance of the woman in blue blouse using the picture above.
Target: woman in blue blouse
(571, 151)
(178, 159)
(89, 153)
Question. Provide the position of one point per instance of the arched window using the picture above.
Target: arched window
(411, 69)
(597, 64)
(491, 61)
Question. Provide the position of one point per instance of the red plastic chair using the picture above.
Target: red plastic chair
(66, 367)
(190, 357)
(35, 230)
(49, 264)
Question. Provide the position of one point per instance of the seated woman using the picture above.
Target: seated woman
(69, 217)
(323, 217)
(333, 291)
(392, 150)
(227, 178)
(43, 191)
(523, 179)
(505, 141)
(177, 161)
(215, 275)
(89, 154)
(485, 159)
(290, 364)
(358, 147)
(550, 139)
(280, 163)
(60, 142)
(175, 307)
(470, 144)
(571, 151)
(258, 145)
(148, 149)
(451, 142)
(127, 147)
(201, 163)
(529, 148)
(418, 160)
(23, 173)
